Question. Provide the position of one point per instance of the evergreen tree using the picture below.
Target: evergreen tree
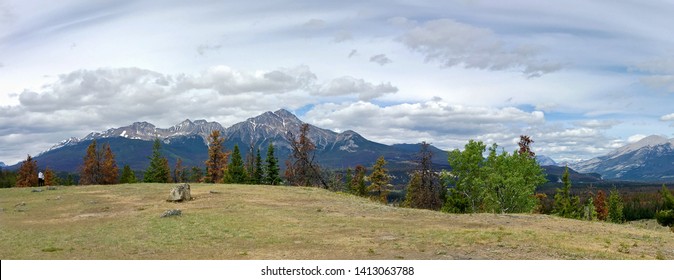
(358, 182)
(566, 205)
(258, 173)
(272, 173)
(128, 176)
(615, 207)
(91, 168)
(600, 206)
(428, 194)
(27, 175)
(302, 170)
(50, 178)
(665, 216)
(412, 188)
(158, 171)
(216, 164)
(379, 179)
(236, 171)
(197, 175)
(109, 170)
(7, 179)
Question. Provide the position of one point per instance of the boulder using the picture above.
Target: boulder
(180, 193)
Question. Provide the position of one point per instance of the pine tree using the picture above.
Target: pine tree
(272, 173)
(427, 192)
(158, 171)
(600, 206)
(379, 179)
(217, 159)
(50, 178)
(27, 175)
(236, 172)
(197, 175)
(91, 168)
(109, 170)
(301, 169)
(258, 173)
(615, 207)
(566, 205)
(357, 186)
(128, 176)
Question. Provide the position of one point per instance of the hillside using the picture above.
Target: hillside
(263, 222)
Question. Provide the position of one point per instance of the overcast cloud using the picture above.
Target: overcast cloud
(581, 77)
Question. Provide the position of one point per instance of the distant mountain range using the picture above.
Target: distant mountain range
(187, 140)
(649, 159)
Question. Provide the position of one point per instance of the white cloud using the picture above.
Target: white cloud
(351, 86)
(598, 124)
(380, 59)
(443, 124)
(452, 43)
(668, 118)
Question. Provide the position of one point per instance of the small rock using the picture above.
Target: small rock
(36, 190)
(172, 212)
(214, 192)
(20, 204)
(51, 188)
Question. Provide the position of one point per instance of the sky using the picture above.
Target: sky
(580, 77)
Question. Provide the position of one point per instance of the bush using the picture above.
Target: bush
(665, 218)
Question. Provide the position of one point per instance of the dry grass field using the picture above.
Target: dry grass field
(265, 222)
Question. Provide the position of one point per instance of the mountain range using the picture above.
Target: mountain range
(188, 141)
(650, 159)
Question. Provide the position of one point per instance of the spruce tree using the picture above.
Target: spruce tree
(109, 170)
(91, 168)
(158, 170)
(600, 205)
(566, 205)
(128, 176)
(258, 173)
(236, 171)
(272, 173)
(216, 164)
(358, 181)
(197, 175)
(50, 178)
(379, 179)
(615, 207)
(27, 175)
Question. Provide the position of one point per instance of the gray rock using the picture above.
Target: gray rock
(36, 190)
(51, 188)
(172, 212)
(180, 193)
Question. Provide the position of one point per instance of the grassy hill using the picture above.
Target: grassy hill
(264, 222)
